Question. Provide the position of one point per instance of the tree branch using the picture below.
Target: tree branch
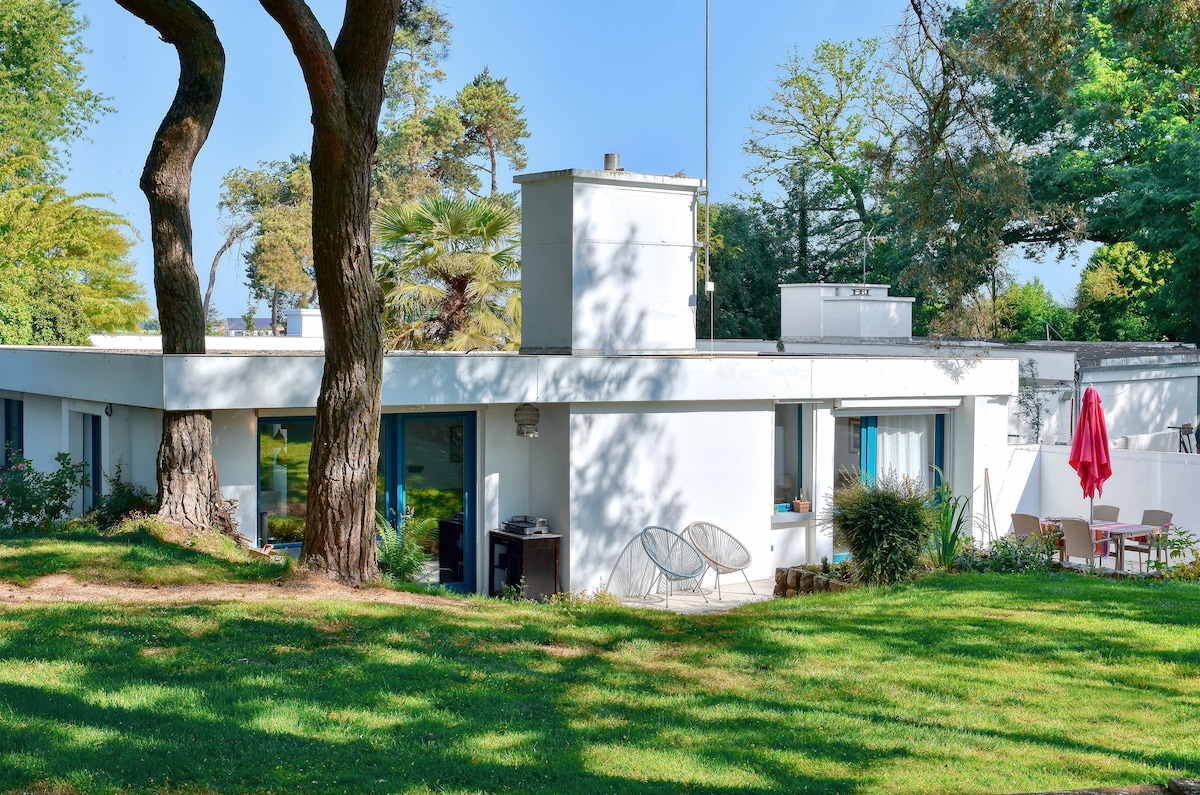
(322, 74)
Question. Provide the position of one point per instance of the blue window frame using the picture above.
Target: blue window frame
(427, 462)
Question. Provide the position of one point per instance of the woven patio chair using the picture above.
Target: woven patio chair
(677, 559)
(1079, 542)
(1143, 545)
(1105, 513)
(1026, 525)
(723, 552)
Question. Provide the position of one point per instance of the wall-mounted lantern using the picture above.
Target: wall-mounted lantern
(527, 417)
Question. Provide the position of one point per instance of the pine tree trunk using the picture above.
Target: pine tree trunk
(345, 85)
(185, 464)
(186, 487)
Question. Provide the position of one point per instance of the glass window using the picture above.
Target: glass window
(905, 446)
(14, 422)
(283, 449)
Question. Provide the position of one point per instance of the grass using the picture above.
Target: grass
(971, 683)
(136, 553)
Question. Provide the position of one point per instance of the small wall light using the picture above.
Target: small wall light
(527, 417)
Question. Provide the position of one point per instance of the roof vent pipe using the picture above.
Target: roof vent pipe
(612, 162)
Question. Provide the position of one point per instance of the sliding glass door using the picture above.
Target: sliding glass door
(426, 465)
(433, 477)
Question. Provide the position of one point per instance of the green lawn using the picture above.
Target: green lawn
(973, 684)
(133, 557)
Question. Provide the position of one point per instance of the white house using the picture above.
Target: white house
(635, 426)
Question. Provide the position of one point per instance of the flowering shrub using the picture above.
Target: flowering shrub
(31, 500)
(1007, 556)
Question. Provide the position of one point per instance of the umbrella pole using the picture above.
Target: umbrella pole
(1091, 510)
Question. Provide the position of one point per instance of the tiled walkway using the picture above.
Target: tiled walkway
(734, 593)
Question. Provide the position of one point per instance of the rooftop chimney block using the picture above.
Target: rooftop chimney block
(607, 262)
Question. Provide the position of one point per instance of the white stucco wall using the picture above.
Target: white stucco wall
(1141, 480)
(639, 465)
(608, 261)
(235, 450)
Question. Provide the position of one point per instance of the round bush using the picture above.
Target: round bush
(886, 523)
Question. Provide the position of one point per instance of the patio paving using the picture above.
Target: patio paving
(734, 593)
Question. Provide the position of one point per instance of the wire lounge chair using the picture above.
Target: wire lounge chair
(723, 552)
(634, 573)
(677, 559)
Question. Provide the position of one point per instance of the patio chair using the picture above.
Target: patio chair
(1143, 545)
(1105, 513)
(1079, 542)
(1026, 526)
(723, 552)
(677, 559)
(634, 573)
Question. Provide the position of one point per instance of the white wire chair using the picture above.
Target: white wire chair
(723, 552)
(634, 573)
(676, 558)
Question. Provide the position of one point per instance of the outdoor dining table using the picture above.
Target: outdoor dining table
(1119, 531)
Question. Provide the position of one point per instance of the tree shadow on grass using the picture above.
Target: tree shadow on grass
(482, 697)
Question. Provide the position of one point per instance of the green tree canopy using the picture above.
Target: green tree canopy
(44, 103)
(493, 124)
(450, 274)
(278, 197)
(1114, 294)
(430, 143)
(66, 267)
(1102, 96)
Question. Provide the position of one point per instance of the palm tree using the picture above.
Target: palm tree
(449, 270)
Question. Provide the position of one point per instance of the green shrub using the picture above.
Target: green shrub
(402, 552)
(122, 501)
(885, 523)
(31, 500)
(1009, 555)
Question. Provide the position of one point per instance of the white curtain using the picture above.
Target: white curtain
(903, 446)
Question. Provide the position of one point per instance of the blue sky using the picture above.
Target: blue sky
(622, 76)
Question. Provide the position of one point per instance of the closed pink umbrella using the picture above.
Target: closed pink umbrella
(1089, 447)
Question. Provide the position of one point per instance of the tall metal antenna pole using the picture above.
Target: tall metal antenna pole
(708, 285)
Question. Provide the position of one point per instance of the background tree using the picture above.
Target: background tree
(420, 146)
(186, 481)
(345, 86)
(271, 206)
(824, 124)
(451, 277)
(1114, 293)
(1102, 96)
(44, 103)
(67, 267)
(493, 124)
(279, 263)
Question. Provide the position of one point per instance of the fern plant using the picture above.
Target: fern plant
(402, 553)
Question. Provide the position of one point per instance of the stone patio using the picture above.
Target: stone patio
(734, 593)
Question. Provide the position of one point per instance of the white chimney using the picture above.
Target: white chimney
(607, 261)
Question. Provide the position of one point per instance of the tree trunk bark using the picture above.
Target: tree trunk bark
(185, 474)
(345, 85)
(235, 233)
